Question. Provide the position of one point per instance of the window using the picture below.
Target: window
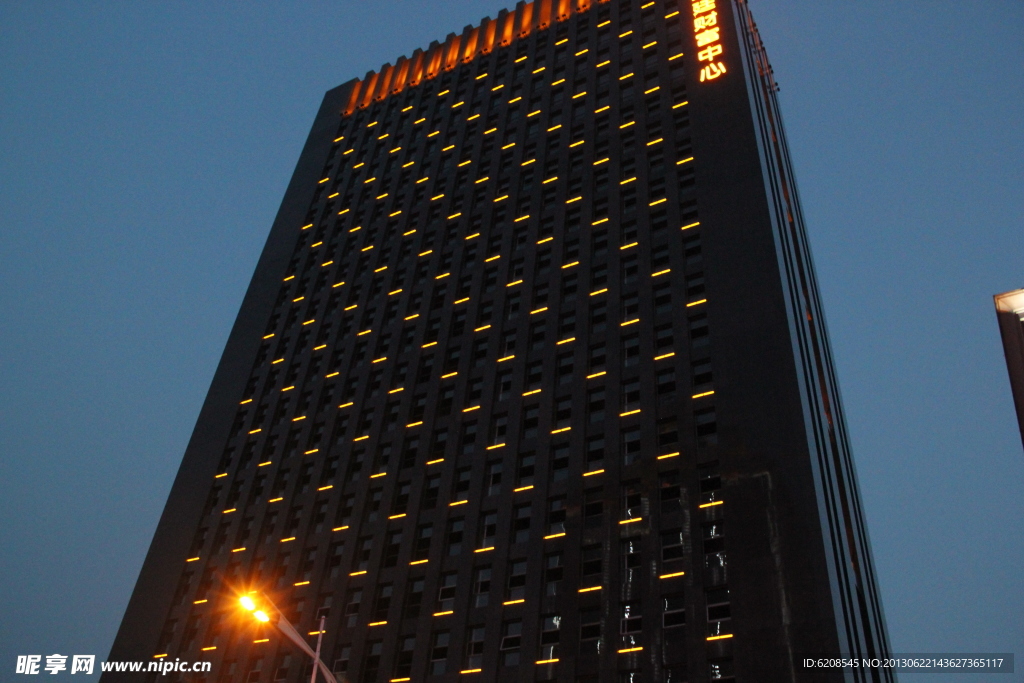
(344, 653)
(666, 381)
(421, 548)
(499, 426)
(663, 307)
(391, 549)
(438, 443)
(631, 558)
(630, 350)
(570, 286)
(675, 674)
(544, 257)
(538, 332)
(630, 396)
(598, 317)
(721, 670)
(563, 412)
(702, 375)
(371, 661)
(595, 452)
(564, 368)
(493, 478)
(458, 324)
(673, 611)
(520, 523)
(503, 387)
(413, 598)
(713, 537)
(512, 304)
(663, 337)
(695, 285)
(363, 551)
(481, 586)
(526, 469)
(486, 311)
(553, 572)
(593, 507)
(670, 492)
(706, 426)
(516, 587)
(426, 366)
(475, 648)
(673, 545)
(403, 660)
(596, 404)
(511, 640)
(630, 445)
(590, 624)
(668, 432)
(591, 564)
(431, 492)
(534, 374)
(439, 652)
(632, 501)
(710, 482)
(382, 458)
(372, 505)
(412, 443)
(345, 510)
(559, 462)
(599, 247)
(719, 612)
(352, 603)
(632, 618)
(550, 634)
(451, 359)
(382, 602)
(530, 419)
(488, 530)
(508, 343)
(692, 248)
(629, 270)
(456, 531)
(446, 592)
(474, 391)
(630, 307)
(556, 515)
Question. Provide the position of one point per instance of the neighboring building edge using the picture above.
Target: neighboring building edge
(1010, 312)
(860, 619)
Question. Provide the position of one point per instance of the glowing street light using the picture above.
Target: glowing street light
(285, 627)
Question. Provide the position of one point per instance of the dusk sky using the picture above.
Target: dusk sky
(145, 148)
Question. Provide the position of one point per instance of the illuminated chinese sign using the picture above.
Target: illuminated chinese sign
(706, 32)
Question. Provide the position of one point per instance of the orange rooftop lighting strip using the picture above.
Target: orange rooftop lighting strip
(510, 25)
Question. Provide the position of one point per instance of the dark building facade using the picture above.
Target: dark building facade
(532, 381)
(1010, 312)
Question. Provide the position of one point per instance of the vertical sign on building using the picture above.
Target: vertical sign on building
(706, 32)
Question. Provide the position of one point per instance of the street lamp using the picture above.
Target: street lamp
(285, 627)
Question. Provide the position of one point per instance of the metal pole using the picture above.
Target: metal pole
(286, 628)
(316, 658)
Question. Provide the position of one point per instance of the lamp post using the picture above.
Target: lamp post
(284, 626)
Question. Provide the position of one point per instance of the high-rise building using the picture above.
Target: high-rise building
(532, 381)
(1010, 312)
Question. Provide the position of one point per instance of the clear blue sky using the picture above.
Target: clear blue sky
(144, 148)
